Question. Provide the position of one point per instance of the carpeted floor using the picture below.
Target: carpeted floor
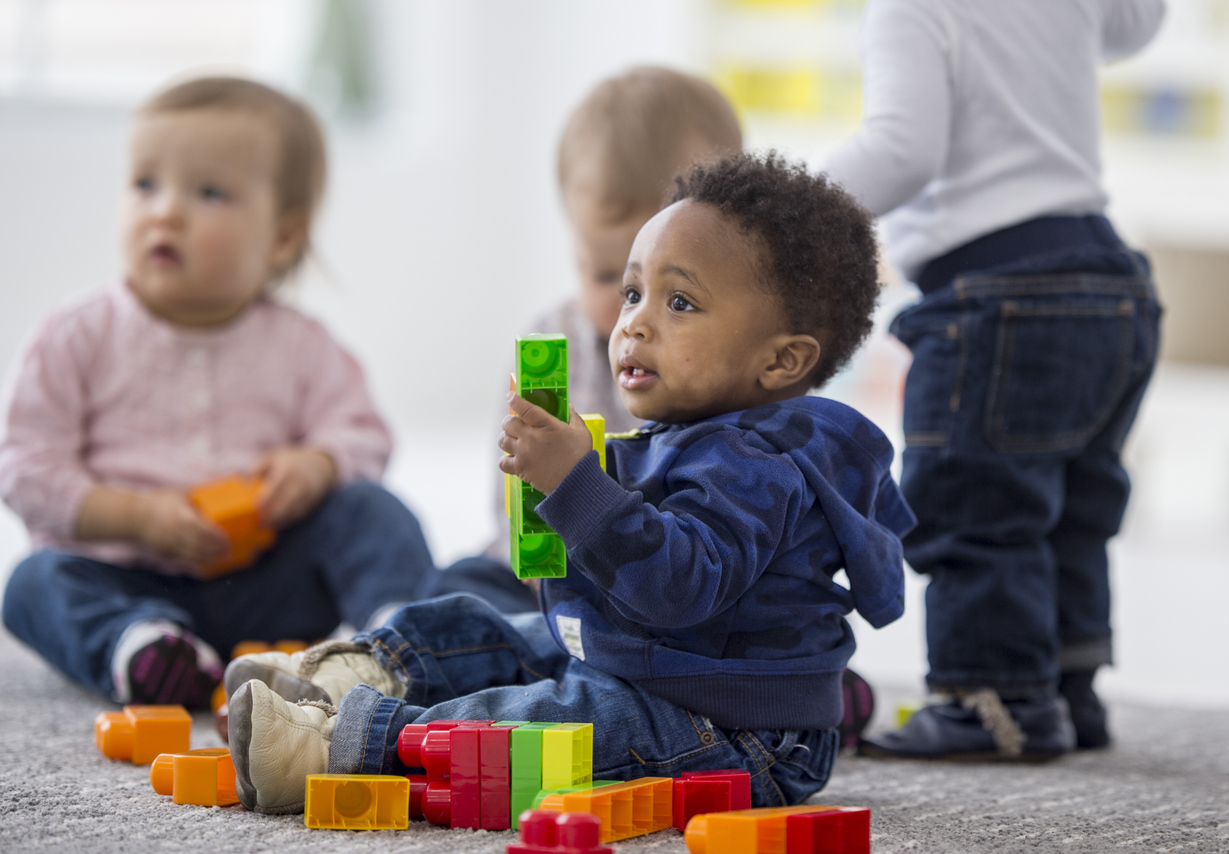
(1164, 787)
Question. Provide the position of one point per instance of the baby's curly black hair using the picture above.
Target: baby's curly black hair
(818, 248)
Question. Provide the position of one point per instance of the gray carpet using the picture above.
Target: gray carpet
(1164, 787)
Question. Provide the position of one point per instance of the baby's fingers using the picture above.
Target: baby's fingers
(534, 416)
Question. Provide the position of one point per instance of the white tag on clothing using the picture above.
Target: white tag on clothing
(569, 632)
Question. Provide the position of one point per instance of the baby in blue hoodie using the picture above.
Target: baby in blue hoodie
(700, 625)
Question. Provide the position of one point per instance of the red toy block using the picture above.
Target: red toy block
(693, 797)
(418, 785)
(740, 784)
(495, 776)
(833, 831)
(463, 777)
(558, 833)
(409, 741)
(437, 803)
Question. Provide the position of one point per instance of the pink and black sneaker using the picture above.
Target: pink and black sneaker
(859, 705)
(162, 663)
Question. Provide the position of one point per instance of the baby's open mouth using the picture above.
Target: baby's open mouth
(164, 254)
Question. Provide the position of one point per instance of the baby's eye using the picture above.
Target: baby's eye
(143, 184)
(213, 193)
(631, 296)
(678, 302)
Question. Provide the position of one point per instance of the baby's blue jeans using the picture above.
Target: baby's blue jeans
(460, 659)
(1025, 381)
(360, 550)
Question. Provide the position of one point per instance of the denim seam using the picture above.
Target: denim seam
(1004, 355)
(763, 773)
(1089, 283)
(394, 660)
(675, 759)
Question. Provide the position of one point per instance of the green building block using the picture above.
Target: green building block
(541, 379)
(567, 790)
(526, 746)
(567, 755)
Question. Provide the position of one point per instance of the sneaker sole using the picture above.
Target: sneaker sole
(870, 750)
(287, 687)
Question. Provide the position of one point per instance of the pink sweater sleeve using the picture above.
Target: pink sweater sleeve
(42, 474)
(338, 414)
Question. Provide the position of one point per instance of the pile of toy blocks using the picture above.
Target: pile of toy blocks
(498, 775)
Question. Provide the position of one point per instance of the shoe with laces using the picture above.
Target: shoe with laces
(978, 726)
(323, 673)
(275, 744)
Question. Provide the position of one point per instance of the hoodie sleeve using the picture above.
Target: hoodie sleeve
(691, 557)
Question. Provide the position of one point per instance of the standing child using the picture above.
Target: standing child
(1032, 346)
(185, 371)
(700, 624)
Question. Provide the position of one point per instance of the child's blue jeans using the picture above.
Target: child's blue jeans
(360, 550)
(1025, 381)
(462, 660)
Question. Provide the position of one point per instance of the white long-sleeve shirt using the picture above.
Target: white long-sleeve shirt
(980, 114)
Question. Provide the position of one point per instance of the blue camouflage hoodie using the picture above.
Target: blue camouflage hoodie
(702, 568)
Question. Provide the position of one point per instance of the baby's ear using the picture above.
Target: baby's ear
(291, 238)
(796, 358)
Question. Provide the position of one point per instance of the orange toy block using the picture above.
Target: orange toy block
(140, 733)
(204, 777)
(754, 831)
(230, 503)
(357, 802)
(625, 809)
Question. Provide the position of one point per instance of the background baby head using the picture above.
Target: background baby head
(619, 150)
(226, 177)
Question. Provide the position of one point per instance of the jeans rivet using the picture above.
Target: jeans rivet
(706, 738)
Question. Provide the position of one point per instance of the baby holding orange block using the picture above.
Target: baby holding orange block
(184, 371)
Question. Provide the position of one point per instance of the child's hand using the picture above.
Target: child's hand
(296, 480)
(171, 526)
(542, 449)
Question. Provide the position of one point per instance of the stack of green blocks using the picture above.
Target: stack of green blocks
(548, 756)
(542, 379)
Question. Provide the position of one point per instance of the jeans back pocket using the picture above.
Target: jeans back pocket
(1060, 369)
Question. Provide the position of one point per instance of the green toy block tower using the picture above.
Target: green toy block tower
(542, 379)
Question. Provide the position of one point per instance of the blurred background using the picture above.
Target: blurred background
(442, 232)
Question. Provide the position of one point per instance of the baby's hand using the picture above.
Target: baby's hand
(296, 480)
(542, 449)
(171, 526)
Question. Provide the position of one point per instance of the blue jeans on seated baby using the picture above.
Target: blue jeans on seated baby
(463, 660)
(360, 550)
(1025, 381)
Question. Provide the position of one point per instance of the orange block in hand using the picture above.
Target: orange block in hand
(230, 503)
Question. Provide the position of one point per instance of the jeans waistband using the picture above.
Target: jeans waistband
(1032, 237)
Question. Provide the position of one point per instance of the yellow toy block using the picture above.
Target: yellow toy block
(141, 733)
(230, 503)
(904, 711)
(203, 777)
(624, 809)
(597, 429)
(357, 802)
(755, 831)
(567, 755)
